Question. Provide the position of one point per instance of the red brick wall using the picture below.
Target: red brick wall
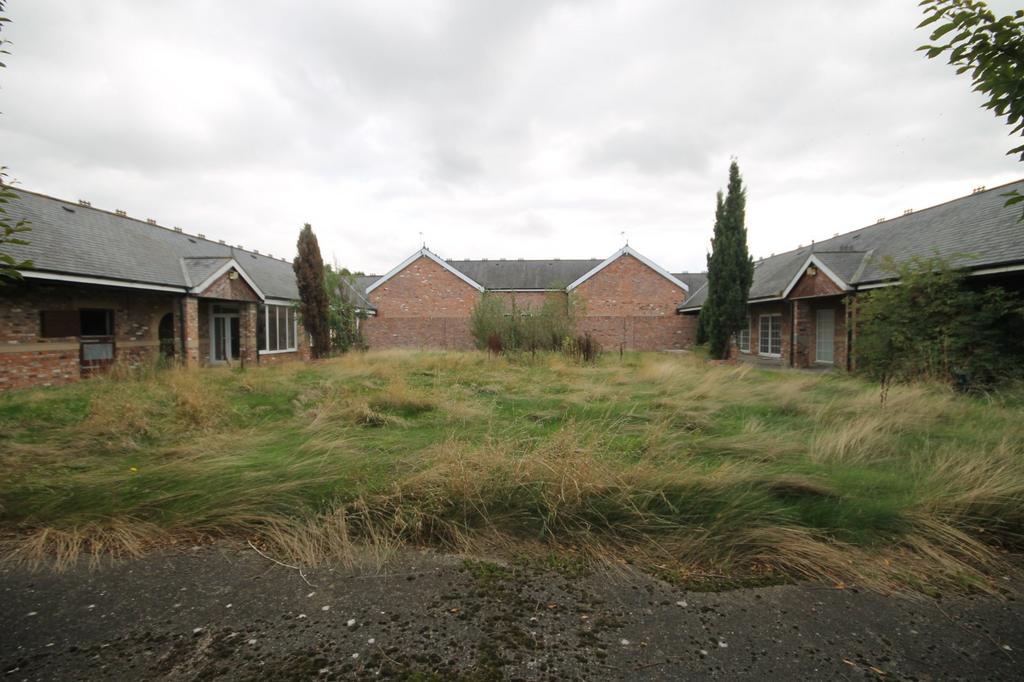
(529, 300)
(423, 306)
(629, 304)
(450, 333)
(27, 359)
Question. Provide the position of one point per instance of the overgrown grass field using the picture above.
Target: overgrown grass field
(669, 463)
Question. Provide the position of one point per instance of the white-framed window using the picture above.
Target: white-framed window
(276, 329)
(743, 338)
(769, 335)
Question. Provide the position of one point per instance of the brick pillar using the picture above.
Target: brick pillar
(190, 358)
(247, 328)
(803, 333)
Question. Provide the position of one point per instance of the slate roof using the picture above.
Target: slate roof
(363, 281)
(197, 269)
(694, 280)
(355, 290)
(524, 274)
(975, 231)
(71, 239)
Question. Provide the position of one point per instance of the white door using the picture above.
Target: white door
(224, 336)
(826, 334)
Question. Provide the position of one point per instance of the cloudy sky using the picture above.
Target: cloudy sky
(498, 128)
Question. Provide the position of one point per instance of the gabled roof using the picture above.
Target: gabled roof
(976, 232)
(627, 250)
(72, 242)
(223, 265)
(524, 274)
(825, 270)
(424, 253)
(198, 268)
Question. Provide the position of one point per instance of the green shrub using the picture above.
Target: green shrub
(935, 325)
(499, 325)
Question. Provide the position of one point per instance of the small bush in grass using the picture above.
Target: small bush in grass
(584, 348)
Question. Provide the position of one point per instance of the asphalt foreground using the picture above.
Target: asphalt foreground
(226, 612)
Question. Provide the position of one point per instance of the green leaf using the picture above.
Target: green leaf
(942, 30)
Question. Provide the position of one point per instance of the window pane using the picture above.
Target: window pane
(282, 323)
(776, 337)
(261, 327)
(272, 327)
(291, 327)
(97, 351)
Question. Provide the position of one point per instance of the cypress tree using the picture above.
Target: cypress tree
(309, 277)
(730, 268)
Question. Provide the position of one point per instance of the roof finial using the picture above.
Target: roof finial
(624, 237)
(423, 242)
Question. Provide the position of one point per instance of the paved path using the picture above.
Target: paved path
(224, 612)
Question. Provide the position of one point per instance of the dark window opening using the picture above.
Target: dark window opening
(58, 323)
(97, 322)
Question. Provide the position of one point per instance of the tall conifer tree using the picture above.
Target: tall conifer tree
(309, 277)
(730, 268)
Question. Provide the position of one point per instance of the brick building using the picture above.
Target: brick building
(108, 288)
(625, 301)
(802, 303)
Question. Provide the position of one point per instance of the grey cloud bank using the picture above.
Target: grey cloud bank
(498, 129)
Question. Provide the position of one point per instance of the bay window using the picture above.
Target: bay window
(276, 328)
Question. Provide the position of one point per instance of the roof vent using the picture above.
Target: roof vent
(151, 221)
(520, 259)
(501, 259)
(557, 259)
(201, 235)
(880, 220)
(177, 229)
(980, 188)
(270, 255)
(221, 241)
(83, 202)
(121, 212)
(256, 251)
(239, 247)
(908, 211)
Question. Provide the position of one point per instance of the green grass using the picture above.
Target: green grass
(669, 462)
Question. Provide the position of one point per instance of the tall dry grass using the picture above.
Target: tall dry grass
(662, 461)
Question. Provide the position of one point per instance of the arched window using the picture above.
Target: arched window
(166, 335)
